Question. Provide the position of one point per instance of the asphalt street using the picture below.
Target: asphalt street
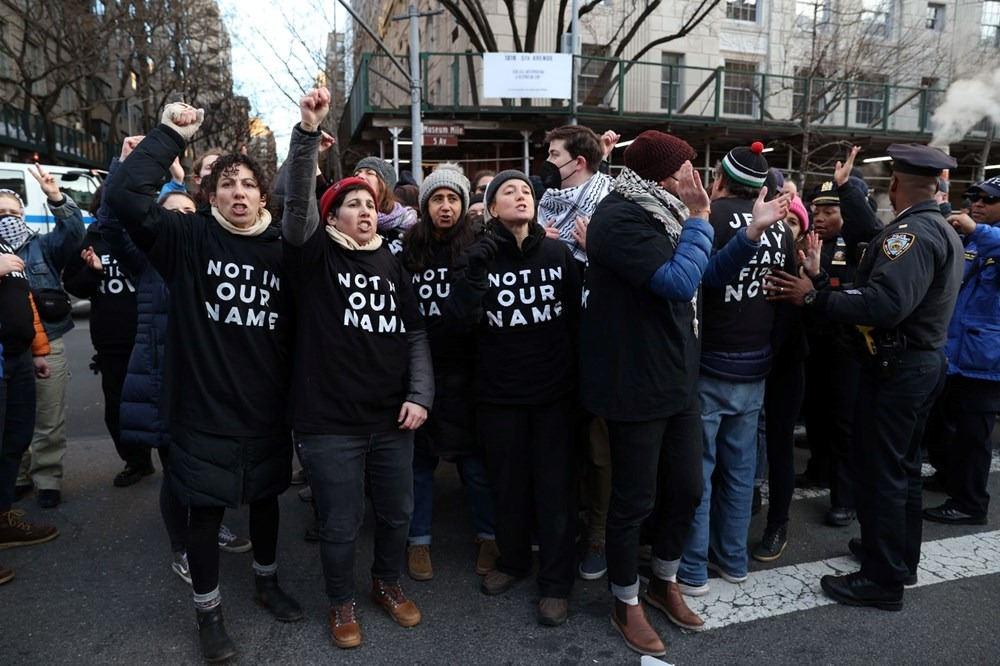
(103, 592)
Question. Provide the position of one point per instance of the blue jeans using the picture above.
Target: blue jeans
(338, 467)
(472, 470)
(729, 413)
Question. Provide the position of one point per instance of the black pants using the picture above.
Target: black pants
(17, 420)
(653, 463)
(831, 390)
(782, 401)
(958, 440)
(203, 540)
(172, 510)
(113, 368)
(530, 458)
(892, 411)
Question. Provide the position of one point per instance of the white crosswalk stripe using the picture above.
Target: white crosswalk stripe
(796, 587)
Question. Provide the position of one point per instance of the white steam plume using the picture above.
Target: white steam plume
(966, 103)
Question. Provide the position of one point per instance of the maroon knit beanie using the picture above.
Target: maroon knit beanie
(655, 155)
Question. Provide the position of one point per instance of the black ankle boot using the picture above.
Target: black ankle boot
(274, 599)
(215, 642)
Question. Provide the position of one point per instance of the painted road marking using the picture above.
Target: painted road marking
(796, 587)
(810, 493)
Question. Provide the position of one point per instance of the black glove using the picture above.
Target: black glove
(480, 254)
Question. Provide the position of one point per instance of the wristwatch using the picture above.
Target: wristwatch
(810, 297)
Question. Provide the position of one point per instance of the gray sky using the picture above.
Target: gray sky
(275, 50)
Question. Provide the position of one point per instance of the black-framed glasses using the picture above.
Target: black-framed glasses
(988, 200)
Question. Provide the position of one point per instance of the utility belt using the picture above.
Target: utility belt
(885, 348)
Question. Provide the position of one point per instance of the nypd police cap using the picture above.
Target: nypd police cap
(919, 160)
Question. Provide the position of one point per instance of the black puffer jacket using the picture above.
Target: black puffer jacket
(227, 364)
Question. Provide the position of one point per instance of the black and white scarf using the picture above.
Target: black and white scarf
(665, 208)
(15, 232)
(560, 208)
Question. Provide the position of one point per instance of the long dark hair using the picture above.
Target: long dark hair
(419, 240)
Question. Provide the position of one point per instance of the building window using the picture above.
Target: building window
(935, 17)
(670, 80)
(875, 16)
(817, 87)
(590, 70)
(870, 100)
(990, 30)
(930, 101)
(811, 13)
(738, 88)
(742, 10)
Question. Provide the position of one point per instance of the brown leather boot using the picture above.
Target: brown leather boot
(344, 628)
(632, 623)
(486, 560)
(390, 597)
(497, 582)
(418, 562)
(664, 595)
(552, 611)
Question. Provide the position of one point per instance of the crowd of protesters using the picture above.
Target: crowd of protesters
(614, 362)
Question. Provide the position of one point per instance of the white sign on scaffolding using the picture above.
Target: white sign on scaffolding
(528, 75)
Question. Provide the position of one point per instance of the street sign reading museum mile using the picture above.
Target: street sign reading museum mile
(442, 135)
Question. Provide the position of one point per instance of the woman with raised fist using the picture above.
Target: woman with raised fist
(227, 356)
(362, 381)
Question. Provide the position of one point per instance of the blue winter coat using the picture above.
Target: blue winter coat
(142, 422)
(973, 347)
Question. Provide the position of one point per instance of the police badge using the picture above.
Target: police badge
(896, 245)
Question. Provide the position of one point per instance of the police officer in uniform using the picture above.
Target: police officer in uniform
(903, 296)
(845, 223)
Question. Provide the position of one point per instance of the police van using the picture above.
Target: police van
(79, 184)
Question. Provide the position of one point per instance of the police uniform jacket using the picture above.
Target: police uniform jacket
(907, 281)
(973, 347)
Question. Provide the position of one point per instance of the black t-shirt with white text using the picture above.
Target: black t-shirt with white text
(737, 317)
(227, 350)
(353, 311)
(527, 339)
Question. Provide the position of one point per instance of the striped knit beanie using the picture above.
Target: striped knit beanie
(746, 166)
(445, 176)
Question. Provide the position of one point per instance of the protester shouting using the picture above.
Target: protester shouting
(226, 357)
(362, 379)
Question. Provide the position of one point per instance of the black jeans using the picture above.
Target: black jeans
(653, 463)
(529, 454)
(958, 440)
(832, 374)
(338, 467)
(783, 395)
(203, 540)
(172, 510)
(892, 411)
(17, 420)
(113, 368)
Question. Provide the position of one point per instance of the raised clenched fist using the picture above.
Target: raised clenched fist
(314, 106)
(182, 118)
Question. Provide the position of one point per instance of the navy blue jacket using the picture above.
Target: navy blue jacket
(973, 346)
(142, 421)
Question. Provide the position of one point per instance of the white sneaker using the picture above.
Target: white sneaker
(726, 576)
(180, 566)
(693, 590)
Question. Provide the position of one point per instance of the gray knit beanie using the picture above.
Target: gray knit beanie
(446, 177)
(381, 167)
(494, 187)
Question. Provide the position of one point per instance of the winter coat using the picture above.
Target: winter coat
(973, 347)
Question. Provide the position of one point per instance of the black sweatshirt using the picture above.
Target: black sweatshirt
(361, 350)
(227, 352)
(737, 317)
(452, 334)
(530, 299)
(113, 310)
(17, 320)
